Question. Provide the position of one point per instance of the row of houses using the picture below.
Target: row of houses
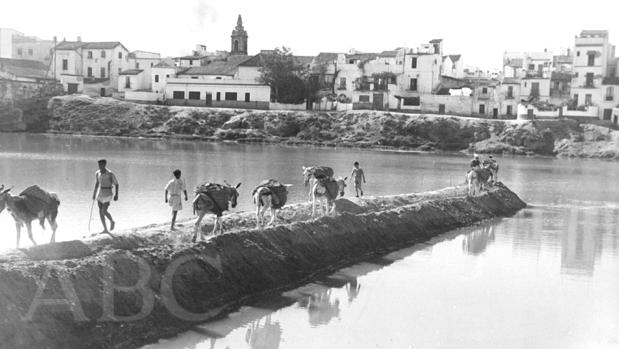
(578, 82)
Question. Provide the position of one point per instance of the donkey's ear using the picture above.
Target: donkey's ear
(345, 178)
(7, 190)
(238, 185)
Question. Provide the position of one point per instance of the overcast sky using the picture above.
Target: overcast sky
(481, 30)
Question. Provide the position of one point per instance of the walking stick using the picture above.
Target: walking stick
(90, 219)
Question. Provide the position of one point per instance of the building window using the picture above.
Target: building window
(156, 78)
(510, 92)
(194, 77)
(89, 55)
(30, 52)
(414, 62)
(178, 95)
(120, 70)
(167, 76)
(247, 97)
(484, 90)
(151, 64)
(218, 96)
(610, 93)
(589, 80)
(364, 98)
(120, 55)
(102, 72)
(534, 89)
(191, 62)
(607, 114)
(127, 82)
(441, 108)
(591, 59)
(89, 72)
(413, 84)
(218, 78)
(194, 95)
(65, 64)
(236, 46)
(137, 65)
(588, 100)
(20, 51)
(482, 109)
(531, 66)
(230, 96)
(342, 83)
(411, 101)
(509, 110)
(578, 53)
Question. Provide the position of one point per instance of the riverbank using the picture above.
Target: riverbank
(181, 283)
(360, 129)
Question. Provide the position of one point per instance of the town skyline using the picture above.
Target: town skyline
(482, 43)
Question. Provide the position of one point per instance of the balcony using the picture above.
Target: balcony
(609, 98)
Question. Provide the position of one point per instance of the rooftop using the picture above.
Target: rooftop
(594, 33)
(131, 72)
(227, 67)
(101, 45)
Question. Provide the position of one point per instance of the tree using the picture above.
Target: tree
(286, 76)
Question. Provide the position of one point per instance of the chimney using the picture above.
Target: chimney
(79, 39)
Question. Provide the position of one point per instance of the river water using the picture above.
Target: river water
(547, 277)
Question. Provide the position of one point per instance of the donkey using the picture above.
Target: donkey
(312, 174)
(204, 203)
(16, 205)
(263, 199)
(477, 179)
(326, 196)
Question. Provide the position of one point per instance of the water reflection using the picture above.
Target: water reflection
(477, 241)
(264, 335)
(321, 308)
(352, 289)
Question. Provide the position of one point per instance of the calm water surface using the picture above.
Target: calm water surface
(546, 278)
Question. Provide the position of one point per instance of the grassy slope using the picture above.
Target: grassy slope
(105, 116)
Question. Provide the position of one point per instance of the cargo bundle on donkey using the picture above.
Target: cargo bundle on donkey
(269, 194)
(32, 203)
(214, 198)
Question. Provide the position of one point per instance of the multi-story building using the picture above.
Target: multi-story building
(593, 74)
(33, 48)
(6, 42)
(90, 67)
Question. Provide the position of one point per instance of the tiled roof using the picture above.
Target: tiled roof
(515, 62)
(325, 57)
(435, 41)
(165, 63)
(454, 58)
(107, 45)
(227, 67)
(362, 56)
(602, 33)
(74, 45)
(389, 53)
(23, 68)
(69, 45)
(131, 72)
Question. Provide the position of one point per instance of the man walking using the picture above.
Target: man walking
(104, 180)
(175, 187)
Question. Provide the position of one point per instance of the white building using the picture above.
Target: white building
(229, 93)
(92, 68)
(453, 66)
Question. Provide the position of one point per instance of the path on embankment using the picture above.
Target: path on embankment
(172, 284)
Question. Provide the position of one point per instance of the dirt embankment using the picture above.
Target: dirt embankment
(366, 129)
(170, 285)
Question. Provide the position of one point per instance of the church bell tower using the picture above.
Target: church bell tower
(239, 39)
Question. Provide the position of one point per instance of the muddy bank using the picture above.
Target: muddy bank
(365, 129)
(150, 283)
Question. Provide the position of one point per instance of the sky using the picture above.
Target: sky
(480, 30)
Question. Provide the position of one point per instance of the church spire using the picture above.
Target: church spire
(239, 39)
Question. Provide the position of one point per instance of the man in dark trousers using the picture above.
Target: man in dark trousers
(104, 181)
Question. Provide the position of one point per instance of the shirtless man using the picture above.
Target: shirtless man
(104, 180)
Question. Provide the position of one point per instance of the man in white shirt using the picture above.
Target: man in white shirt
(104, 181)
(174, 188)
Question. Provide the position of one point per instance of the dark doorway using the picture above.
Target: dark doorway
(495, 113)
(378, 101)
(209, 99)
(441, 108)
(71, 89)
(102, 92)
